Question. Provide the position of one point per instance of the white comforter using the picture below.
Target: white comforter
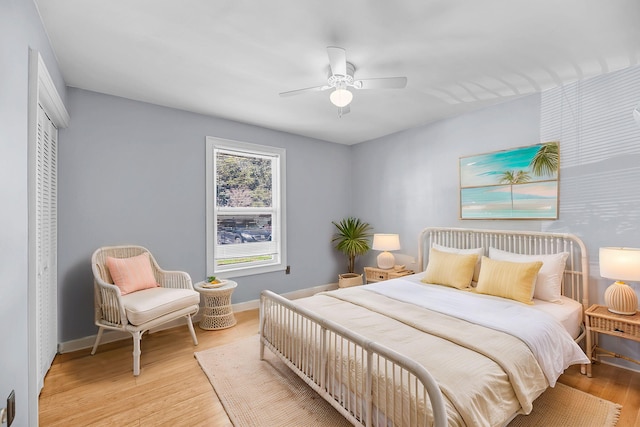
(550, 343)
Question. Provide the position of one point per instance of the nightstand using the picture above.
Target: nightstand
(217, 313)
(599, 320)
(373, 274)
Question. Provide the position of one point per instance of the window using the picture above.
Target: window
(245, 208)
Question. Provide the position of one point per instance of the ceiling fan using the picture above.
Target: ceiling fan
(341, 78)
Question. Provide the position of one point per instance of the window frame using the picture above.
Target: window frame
(279, 202)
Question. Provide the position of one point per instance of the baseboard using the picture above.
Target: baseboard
(628, 368)
(112, 336)
(301, 293)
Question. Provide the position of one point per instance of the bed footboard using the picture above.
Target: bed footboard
(368, 383)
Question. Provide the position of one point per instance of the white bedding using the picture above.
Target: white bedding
(568, 313)
(551, 344)
(485, 376)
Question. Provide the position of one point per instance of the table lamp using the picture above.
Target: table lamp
(620, 264)
(386, 243)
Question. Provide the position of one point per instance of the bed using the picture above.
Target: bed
(446, 346)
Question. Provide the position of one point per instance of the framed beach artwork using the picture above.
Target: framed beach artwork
(520, 183)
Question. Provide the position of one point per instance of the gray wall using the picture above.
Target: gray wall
(408, 181)
(20, 28)
(134, 173)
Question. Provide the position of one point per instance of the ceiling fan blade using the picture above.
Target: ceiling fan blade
(337, 60)
(308, 89)
(381, 83)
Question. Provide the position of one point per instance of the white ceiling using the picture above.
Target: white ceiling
(231, 58)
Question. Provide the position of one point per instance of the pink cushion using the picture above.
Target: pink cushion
(132, 274)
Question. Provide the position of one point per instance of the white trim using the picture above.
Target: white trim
(112, 336)
(610, 363)
(301, 293)
(48, 95)
(41, 91)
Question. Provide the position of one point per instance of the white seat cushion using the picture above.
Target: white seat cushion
(148, 304)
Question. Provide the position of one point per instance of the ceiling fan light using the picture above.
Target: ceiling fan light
(341, 97)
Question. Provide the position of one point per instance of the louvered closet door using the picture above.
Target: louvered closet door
(46, 243)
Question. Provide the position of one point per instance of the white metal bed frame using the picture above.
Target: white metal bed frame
(321, 352)
(576, 274)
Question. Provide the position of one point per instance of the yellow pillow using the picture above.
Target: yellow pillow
(477, 251)
(449, 269)
(506, 279)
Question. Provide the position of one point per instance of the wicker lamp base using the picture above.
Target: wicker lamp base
(621, 299)
(386, 260)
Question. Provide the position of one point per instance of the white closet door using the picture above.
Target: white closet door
(46, 243)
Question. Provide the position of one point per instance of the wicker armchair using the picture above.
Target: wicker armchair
(139, 311)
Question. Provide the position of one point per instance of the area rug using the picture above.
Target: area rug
(257, 393)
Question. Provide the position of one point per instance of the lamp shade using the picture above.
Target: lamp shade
(341, 97)
(386, 242)
(620, 264)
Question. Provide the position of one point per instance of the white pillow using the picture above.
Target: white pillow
(476, 251)
(549, 281)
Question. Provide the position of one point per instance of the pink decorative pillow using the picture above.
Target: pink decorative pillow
(132, 274)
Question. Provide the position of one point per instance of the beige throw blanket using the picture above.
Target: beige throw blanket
(485, 375)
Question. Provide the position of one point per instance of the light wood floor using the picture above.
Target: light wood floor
(172, 390)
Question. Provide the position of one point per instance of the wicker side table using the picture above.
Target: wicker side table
(599, 320)
(218, 313)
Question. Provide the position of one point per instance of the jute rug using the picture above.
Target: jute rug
(258, 393)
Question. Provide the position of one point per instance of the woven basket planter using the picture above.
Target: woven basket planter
(349, 279)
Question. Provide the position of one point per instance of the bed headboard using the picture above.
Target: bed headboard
(576, 274)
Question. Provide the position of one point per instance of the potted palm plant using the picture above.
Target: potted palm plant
(352, 239)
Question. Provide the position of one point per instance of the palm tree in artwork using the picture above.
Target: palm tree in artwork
(546, 160)
(514, 177)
